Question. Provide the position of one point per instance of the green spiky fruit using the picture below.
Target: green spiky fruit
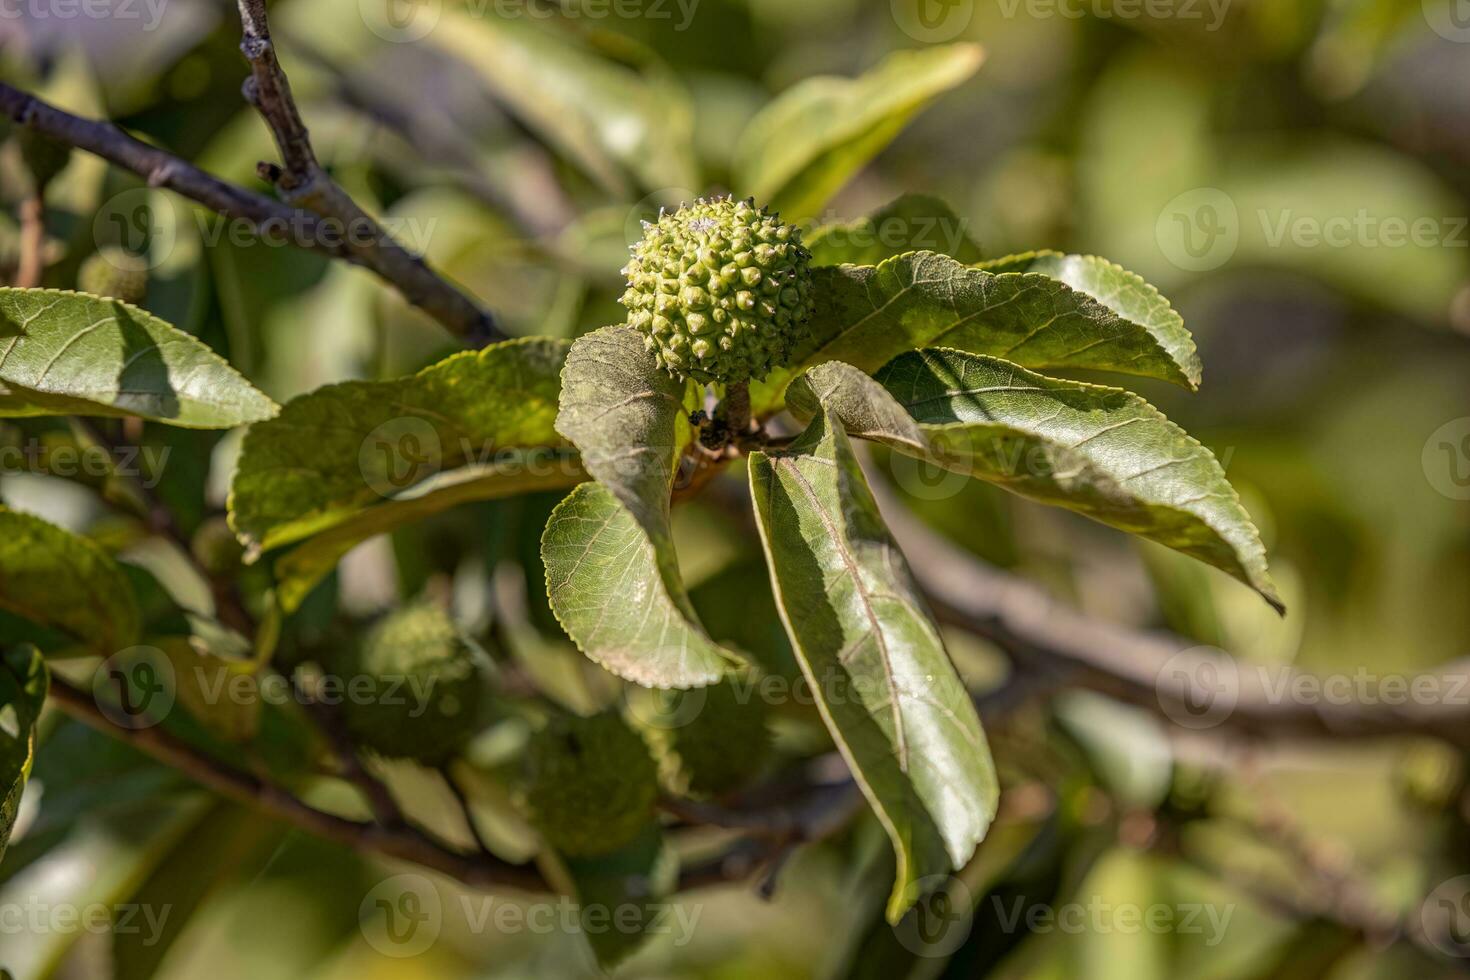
(44, 157)
(720, 289)
(412, 687)
(708, 741)
(116, 273)
(590, 784)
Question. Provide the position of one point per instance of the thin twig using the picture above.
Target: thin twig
(32, 264)
(1145, 669)
(403, 843)
(271, 221)
(385, 809)
(303, 182)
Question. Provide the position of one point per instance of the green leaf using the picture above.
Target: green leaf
(64, 353)
(638, 878)
(912, 223)
(347, 448)
(23, 683)
(225, 849)
(868, 315)
(299, 570)
(217, 686)
(61, 580)
(883, 682)
(810, 140)
(611, 572)
(609, 119)
(1099, 451)
(1123, 292)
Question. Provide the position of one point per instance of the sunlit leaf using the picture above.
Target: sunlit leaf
(64, 353)
(611, 572)
(876, 664)
(1102, 452)
(360, 445)
(868, 315)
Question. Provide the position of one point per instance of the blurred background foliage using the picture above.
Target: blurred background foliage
(519, 152)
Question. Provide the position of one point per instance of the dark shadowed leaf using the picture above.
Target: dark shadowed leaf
(64, 353)
(1102, 452)
(61, 580)
(638, 877)
(882, 678)
(23, 682)
(299, 570)
(611, 572)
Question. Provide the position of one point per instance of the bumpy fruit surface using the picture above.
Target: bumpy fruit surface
(590, 784)
(708, 741)
(44, 157)
(720, 289)
(413, 687)
(116, 273)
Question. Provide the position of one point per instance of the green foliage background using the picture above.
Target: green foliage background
(1328, 368)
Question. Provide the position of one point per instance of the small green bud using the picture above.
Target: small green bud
(590, 784)
(696, 284)
(216, 548)
(423, 689)
(44, 157)
(115, 273)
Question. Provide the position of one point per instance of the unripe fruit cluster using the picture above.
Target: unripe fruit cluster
(721, 745)
(115, 273)
(720, 289)
(590, 784)
(426, 686)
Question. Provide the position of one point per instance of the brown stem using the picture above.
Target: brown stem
(403, 843)
(736, 410)
(267, 219)
(302, 181)
(32, 265)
